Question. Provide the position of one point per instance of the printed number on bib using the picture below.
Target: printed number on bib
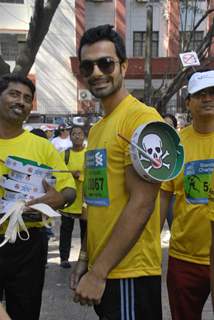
(95, 183)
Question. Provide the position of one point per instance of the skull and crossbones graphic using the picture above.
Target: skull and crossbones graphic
(152, 145)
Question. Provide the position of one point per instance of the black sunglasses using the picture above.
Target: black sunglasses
(105, 64)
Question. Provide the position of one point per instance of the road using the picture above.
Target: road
(57, 299)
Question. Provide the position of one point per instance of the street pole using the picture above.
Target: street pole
(148, 57)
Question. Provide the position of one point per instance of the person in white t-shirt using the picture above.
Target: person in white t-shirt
(62, 141)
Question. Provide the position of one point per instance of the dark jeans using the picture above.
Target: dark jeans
(22, 271)
(66, 229)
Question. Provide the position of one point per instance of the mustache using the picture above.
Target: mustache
(94, 80)
(209, 105)
(17, 105)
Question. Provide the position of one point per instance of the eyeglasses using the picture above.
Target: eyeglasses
(62, 129)
(203, 93)
(105, 64)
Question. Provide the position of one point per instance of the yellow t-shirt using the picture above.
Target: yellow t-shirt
(110, 150)
(76, 163)
(210, 213)
(32, 147)
(190, 233)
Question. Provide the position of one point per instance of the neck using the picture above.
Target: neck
(204, 125)
(8, 131)
(78, 148)
(64, 137)
(111, 102)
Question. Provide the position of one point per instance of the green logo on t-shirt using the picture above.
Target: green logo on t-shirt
(197, 176)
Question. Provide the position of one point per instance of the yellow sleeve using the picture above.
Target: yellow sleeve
(64, 180)
(167, 186)
(135, 121)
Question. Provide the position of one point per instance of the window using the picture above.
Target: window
(12, 1)
(10, 45)
(195, 41)
(186, 1)
(140, 43)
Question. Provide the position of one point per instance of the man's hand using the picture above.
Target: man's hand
(90, 289)
(80, 269)
(52, 197)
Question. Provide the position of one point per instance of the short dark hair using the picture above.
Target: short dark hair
(173, 118)
(76, 126)
(6, 79)
(104, 32)
(39, 132)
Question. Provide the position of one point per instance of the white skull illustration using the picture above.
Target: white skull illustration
(152, 144)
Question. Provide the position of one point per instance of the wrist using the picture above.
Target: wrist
(99, 271)
(83, 256)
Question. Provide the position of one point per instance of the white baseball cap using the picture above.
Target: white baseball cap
(200, 81)
(47, 127)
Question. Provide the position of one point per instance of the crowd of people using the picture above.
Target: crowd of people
(118, 271)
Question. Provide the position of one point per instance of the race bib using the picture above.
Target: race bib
(95, 182)
(197, 176)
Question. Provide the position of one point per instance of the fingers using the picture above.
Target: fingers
(46, 185)
(27, 209)
(89, 290)
(84, 301)
(35, 201)
(47, 188)
(30, 203)
(73, 282)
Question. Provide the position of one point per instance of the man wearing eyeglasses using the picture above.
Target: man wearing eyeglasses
(188, 278)
(119, 269)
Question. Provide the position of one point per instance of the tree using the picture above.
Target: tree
(39, 25)
(162, 95)
(148, 57)
(4, 67)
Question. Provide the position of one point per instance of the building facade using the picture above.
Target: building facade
(60, 90)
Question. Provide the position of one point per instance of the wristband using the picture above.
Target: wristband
(83, 256)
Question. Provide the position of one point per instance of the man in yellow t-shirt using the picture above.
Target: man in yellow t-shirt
(74, 159)
(188, 278)
(119, 270)
(22, 264)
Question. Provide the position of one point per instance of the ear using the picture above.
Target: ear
(187, 104)
(124, 67)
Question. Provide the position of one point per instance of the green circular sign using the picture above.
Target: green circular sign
(156, 152)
